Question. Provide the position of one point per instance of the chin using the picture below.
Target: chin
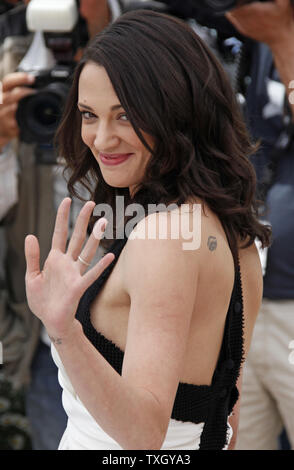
(116, 183)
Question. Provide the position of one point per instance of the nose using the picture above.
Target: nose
(105, 138)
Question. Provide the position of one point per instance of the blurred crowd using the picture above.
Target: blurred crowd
(255, 43)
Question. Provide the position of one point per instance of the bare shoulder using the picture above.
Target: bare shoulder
(172, 224)
(157, 263)
(165, 236)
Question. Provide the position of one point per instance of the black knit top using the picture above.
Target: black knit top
(210, 404)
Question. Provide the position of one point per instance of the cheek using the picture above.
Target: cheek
(136, 143)
(86, 136)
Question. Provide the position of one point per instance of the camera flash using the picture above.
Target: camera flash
(51, 16)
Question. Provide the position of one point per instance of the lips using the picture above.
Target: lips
(114, 158)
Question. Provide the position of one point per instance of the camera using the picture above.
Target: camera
(63, 32)
(38, 115)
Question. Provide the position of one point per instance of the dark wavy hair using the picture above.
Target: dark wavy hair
(173, 88)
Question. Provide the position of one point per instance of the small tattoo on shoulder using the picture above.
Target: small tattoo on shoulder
(55, 340)
(212, 243)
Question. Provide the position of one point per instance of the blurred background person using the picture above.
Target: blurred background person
(267, 403)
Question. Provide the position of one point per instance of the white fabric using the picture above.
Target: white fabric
(84, 433)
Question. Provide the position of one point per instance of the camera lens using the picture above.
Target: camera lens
(46, 112)
(42, 115)
(38, 115)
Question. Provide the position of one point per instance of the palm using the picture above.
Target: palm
(53, 294)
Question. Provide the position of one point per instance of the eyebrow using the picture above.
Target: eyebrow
(113, 108)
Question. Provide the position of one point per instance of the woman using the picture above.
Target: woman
(153, 360)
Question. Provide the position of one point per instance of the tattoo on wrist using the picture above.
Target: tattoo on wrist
(55, 340)
(212, 243)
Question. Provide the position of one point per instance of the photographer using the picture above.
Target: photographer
(268, 384)
(31, 188)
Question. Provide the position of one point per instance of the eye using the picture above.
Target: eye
(86, 115)
(123, 117)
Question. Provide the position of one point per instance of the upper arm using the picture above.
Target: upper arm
(161, 280)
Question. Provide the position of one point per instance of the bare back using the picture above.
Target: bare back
(110, 310)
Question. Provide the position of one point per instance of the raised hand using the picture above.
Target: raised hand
(54, 293)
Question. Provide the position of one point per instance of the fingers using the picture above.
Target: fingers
(93, 273)
(32, 254)
(15, 86)
(13, 90)
(80, 231)
(15, 95)
(16, 79)
(8, 125)
(92, 244)
(59, 239)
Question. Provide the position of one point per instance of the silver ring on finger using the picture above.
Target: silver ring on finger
(83, 261)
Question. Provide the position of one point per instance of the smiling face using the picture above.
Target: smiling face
(108, 133)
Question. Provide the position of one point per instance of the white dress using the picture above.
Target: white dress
(84, 433)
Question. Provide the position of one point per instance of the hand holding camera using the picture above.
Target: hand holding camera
(15, 88)
(271, 22)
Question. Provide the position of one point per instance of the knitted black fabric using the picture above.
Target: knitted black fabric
(210, 404)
